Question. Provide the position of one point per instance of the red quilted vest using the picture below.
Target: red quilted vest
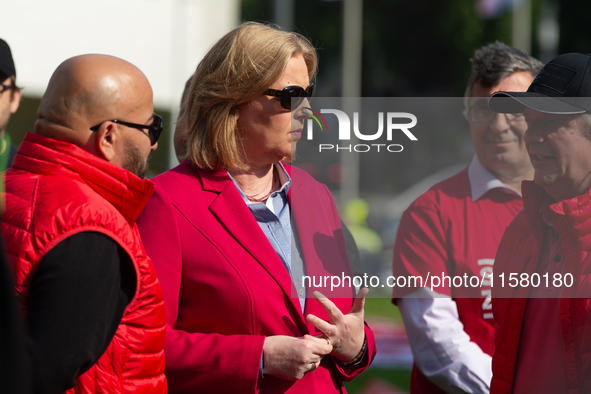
(519, 252)
(55, 190)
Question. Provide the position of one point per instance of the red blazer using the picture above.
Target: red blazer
(225, 288)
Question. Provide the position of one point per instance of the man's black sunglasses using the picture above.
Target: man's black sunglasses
(154, 129)
(290, 92)
(3, 88)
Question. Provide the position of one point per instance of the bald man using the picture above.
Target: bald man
(93, 309)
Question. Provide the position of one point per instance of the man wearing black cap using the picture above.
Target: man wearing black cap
(10, 97)
(543, 314)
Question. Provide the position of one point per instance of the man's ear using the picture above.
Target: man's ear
(107, 137)
(15, 100)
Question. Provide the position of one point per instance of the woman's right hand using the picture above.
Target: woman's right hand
(290, 358)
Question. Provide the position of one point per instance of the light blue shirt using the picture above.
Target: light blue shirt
(274, 218)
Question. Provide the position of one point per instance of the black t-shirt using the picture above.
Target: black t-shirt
(13, 378)
(78, 295)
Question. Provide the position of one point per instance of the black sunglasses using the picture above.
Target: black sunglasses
(154, 129)
(290, 92)
(4, 88)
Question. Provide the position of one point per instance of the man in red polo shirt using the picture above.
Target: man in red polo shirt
(455, 228)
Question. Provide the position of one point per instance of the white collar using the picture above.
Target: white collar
(482, 180)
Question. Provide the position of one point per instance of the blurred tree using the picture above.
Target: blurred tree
(410, 48)
(575, 31)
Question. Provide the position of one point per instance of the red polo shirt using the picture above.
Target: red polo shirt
(445, 232)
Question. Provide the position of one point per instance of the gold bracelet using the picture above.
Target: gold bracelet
(359, 355)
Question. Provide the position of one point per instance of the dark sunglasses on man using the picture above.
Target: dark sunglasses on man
(291, 92)
(154, 129)
(4, 88)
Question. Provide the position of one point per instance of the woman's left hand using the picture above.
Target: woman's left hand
(346, 333)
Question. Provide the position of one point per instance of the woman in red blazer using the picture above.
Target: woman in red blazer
(241, 318)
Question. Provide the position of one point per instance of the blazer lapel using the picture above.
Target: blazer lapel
(231, 211)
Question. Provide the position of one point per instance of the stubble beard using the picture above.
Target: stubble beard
(134, 161)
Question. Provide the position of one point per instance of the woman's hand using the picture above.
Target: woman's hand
(290, 358)
(346, 333)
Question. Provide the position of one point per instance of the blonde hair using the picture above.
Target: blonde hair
(237, 69)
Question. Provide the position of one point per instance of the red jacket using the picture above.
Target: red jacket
(56, 190)
(520, 251)
(226, 289)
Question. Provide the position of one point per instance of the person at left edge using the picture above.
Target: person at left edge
(93, 306)
(10, 97)
(238, 319)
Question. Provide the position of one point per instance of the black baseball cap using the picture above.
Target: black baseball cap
(563, 86)
(6, 62)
